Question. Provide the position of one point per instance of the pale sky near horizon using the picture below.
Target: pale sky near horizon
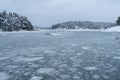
(44, 13)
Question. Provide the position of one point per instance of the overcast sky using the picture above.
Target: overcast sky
(47, 12)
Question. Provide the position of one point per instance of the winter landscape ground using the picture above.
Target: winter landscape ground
(60, 55)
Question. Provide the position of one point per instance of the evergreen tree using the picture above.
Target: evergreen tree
(14, 22)
(118, 21)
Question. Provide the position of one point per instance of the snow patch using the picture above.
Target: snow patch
(113, 29)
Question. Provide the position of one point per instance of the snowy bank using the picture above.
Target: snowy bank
(113, 29)
(80, 29)
(39, 31)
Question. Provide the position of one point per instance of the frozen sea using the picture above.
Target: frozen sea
(60, 55)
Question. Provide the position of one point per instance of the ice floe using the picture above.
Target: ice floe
(30, 59)
(90, 68)
(3, 76)
(96, 76)
(2, 58)
(55, 34)
(65, 76)
(116, 58)
(36, 78)
(46, 70)
(85, 47)
(105, 77)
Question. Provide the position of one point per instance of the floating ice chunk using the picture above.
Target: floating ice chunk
(2, 58)
(113, 69)
(55, 34)
(46, 70)
(116, 58)
(106, 77)
(36, 78)
(30, 59)
(90, 68)
(3, 76)
(65, 76)
(85, 47)
(96, 76)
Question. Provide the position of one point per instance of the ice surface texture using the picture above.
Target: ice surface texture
(59, 55)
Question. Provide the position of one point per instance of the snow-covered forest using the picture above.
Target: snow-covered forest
(83, 25)
(14, 22)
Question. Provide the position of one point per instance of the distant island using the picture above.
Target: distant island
(83, 25)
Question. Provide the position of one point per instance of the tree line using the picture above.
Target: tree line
(14, 22)
(85, 25)
(118, 21)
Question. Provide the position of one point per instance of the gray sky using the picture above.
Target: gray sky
(47, 12)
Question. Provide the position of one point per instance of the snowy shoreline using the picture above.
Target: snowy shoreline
(113, 29)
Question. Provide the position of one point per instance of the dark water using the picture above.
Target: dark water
(60, 55)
